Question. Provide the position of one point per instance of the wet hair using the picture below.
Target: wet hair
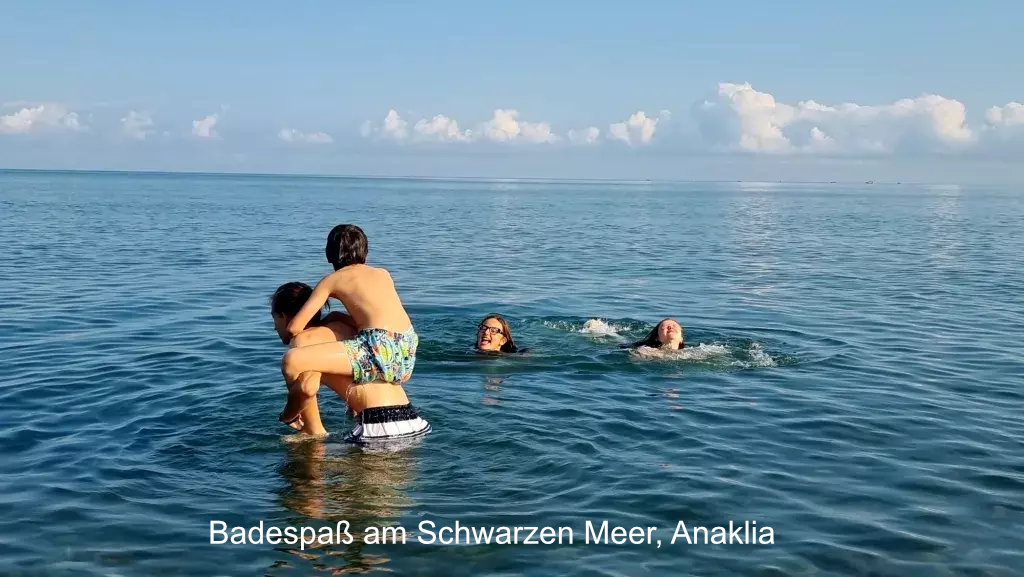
(651, 340)
(510, 343)
(346, 244)
(289, 298)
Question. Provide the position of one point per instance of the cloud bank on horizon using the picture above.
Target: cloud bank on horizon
(741, 118)
(733, 118)
(299, 137)
(738, 118)
(137, 125)
(41, 117)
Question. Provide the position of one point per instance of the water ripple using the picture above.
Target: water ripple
(853, 381)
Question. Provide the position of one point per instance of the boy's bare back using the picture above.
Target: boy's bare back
(368, 294)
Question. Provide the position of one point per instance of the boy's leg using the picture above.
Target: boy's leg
(331, 358)
(339, 383)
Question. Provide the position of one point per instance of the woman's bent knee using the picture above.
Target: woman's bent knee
(290, 365)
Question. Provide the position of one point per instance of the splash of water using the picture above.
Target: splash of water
(600, 327)
(701, 352)
(713, 354)
(759, 358)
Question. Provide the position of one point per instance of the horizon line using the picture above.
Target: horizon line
(537, 179)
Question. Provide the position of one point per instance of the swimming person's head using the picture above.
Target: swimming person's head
(346, 244)
(667, 333)
(285, 302)
(493, 335)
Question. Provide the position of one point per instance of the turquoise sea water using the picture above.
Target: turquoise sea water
(856, 381)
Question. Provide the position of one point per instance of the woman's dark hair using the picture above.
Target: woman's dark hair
(289, 298)
(346, 244)
(510, 343)
(651, 340)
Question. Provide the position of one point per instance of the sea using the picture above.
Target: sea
(852, 379)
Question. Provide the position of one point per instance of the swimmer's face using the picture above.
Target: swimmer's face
(490, 336)
(281, 326)
(669, 331)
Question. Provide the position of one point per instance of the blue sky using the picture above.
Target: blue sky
(797, 90)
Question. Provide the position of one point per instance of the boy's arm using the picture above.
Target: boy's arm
(316, 301)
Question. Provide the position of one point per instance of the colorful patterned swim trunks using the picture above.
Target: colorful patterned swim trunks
(381, 355)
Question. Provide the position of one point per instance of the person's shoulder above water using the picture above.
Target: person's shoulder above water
(494, 336)
(667, 334)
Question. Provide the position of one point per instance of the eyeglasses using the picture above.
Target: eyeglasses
(492, 330)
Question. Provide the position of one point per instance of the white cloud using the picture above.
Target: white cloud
(394, 126)
(588, 135)
(538, 132)
(637, 129)
(1003, 132)
(1012, 114)
(441, 128)
(820, 141)
(296, 136)
(41, 117)
(203, 128)
(502, 127)
(137, 125)
(739, 117)
(505, 126)
(70, 121)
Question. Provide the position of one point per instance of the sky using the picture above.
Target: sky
(741, 90)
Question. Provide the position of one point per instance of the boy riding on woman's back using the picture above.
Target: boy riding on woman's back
(365, 355)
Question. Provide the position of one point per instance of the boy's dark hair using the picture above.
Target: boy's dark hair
(289, 298)
(346, 244)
